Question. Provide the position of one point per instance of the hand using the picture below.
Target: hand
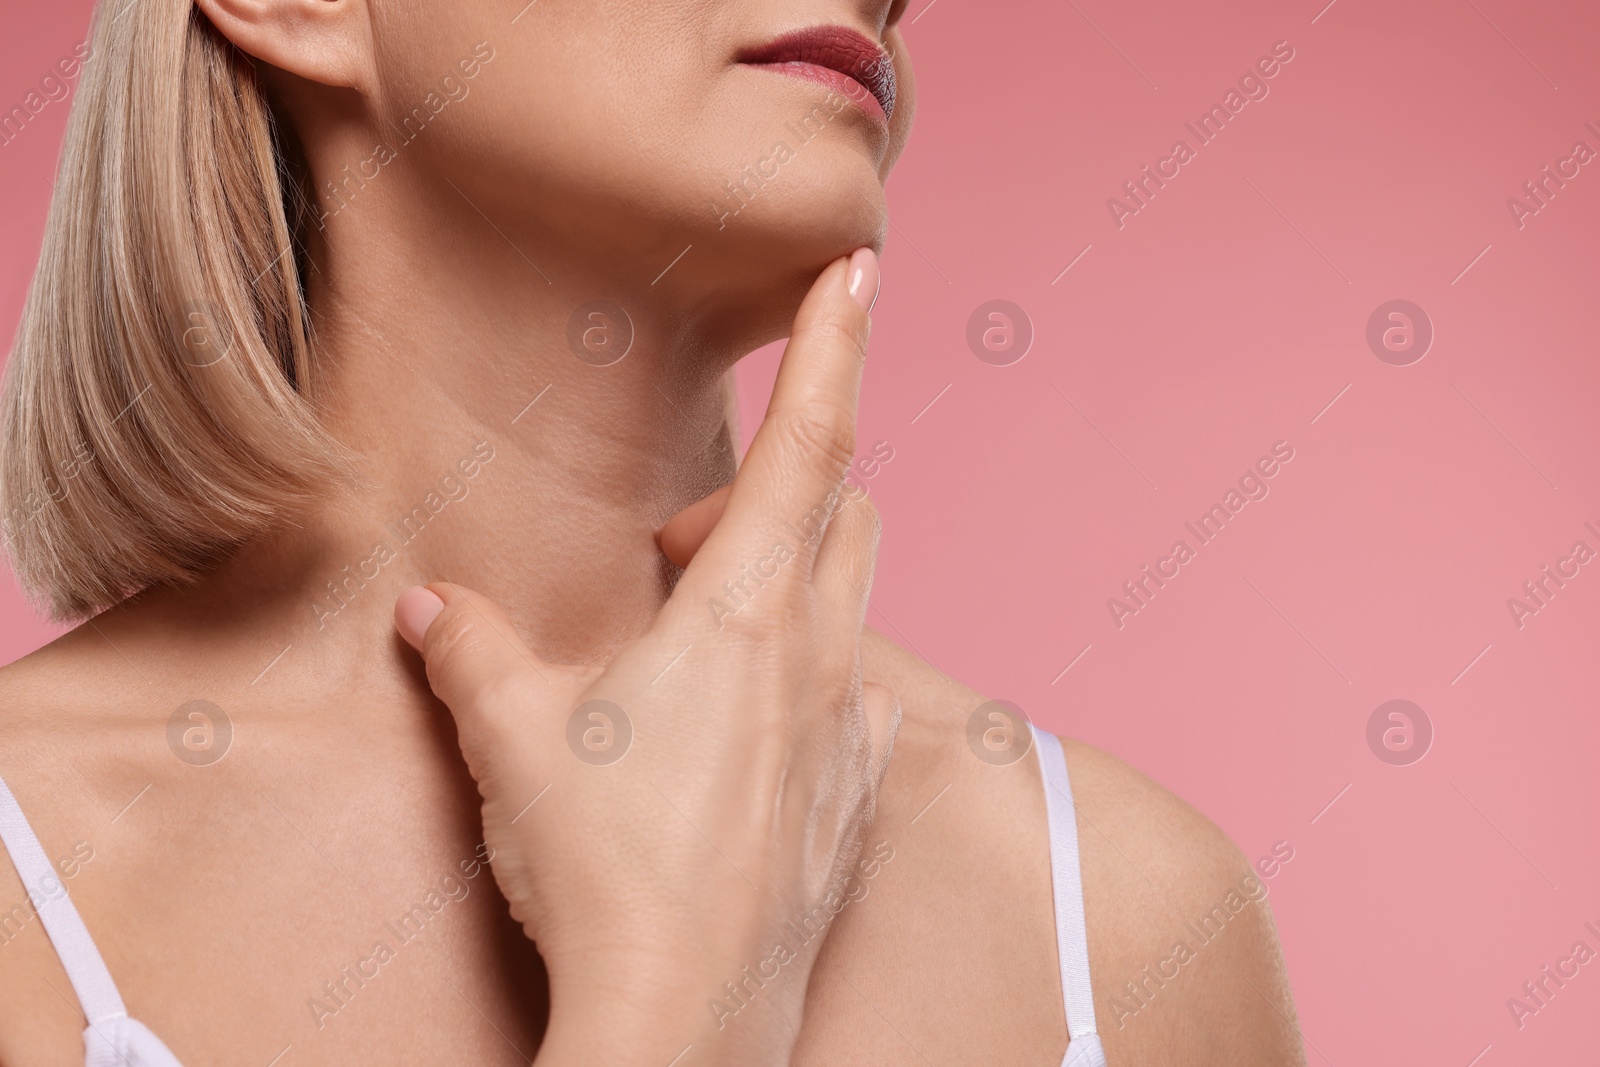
(666, 827)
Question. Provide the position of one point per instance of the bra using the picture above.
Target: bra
(1066, 882)
(113, 1039)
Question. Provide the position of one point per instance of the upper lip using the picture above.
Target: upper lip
(839, 48)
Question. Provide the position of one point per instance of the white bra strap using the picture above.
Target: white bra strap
(47, 894)
(1072, 945)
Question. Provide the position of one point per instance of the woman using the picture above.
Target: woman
(339, 298)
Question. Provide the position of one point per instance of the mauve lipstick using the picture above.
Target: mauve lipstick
(846, 61)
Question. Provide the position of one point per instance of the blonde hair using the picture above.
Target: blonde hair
(156, 409)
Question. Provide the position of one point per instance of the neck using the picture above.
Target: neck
(491, 451)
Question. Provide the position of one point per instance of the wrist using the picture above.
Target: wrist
(643, 1010)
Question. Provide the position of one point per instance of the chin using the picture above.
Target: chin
(759, 265)
(813, 228)
(823, 203)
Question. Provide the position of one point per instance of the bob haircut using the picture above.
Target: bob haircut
(157, 409)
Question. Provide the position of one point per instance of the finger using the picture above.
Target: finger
(848, 555)
(686, 531)
(475, 661)
(414, 610)
(807, 440)
(882, 709)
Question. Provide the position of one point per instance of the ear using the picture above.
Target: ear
(324, 41)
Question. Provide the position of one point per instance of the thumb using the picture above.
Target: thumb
(475, 661)
(686, 531)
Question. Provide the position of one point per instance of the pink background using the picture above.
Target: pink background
(1223, 317)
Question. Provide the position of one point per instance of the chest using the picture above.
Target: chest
(330, 904)
(320, 903)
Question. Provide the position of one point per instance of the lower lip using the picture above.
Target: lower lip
(842, 84)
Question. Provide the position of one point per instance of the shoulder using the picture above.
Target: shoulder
(1121, 809)
(1184, 950)
(80, 736)
(57, 733)
(61, 696)
(1184, 953)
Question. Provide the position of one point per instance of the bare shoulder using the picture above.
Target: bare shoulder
(1184, 953)
(62, 704)
(50, 696)
(59, 726)
(75, 740)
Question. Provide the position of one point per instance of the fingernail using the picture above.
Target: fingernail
(414, 611)
(864, 278)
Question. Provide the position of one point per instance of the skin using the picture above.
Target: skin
(223, 896)
(760, 749)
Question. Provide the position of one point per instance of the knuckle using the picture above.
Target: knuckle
(759, 627)
(823, 429)
(753, 625)
(848, 330)
(502, 701)
(457, 667)
(453, 638)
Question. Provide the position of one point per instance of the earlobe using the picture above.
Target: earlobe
(323, 41)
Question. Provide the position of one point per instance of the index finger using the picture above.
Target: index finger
(806, 442)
